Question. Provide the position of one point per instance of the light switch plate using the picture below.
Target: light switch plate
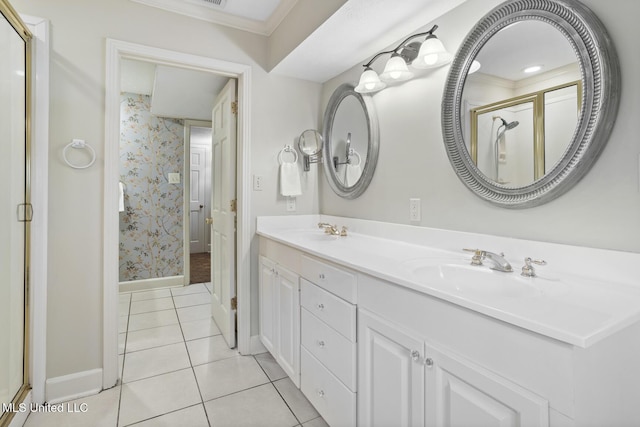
(257, 182)
(291, 204)
(174, 178)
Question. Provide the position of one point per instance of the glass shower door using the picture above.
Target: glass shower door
(13, 198)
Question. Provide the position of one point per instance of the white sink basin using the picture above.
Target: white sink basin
(459, 276)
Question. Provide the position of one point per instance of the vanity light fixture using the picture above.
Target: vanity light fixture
(475, 66)
(429, 53)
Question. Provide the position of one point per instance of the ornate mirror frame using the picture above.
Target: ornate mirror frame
(600, 72)
(351, 192)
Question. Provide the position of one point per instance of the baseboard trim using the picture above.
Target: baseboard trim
(20, 417)
(74, 386)
(147, 284)
(256, 345)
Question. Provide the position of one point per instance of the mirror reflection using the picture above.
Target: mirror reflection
(522, 106)
(349, 141)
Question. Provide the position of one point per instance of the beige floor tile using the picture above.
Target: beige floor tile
(157, 395)
(192, 299)
(152, 319)
(120, 365)
(197, 312)
(209, 349)
(152, 294)
(199, 329)
(123, 322)
(209, 287)
(122, 341)
(123, 308)
(190, 289)
(101, 410)
(193, 416)
(124, 298)
(146, 306)
(318, 422)
(299, 405)
(228, 376)
(257, 407)
(155, 337)
(270, 366)
(155, 361)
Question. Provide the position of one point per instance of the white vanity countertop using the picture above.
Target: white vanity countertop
(582, 296)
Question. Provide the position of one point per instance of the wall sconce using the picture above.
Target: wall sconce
(427, 54)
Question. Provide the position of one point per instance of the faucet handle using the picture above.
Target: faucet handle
(343, 232)
(478, 254)
(527, 268)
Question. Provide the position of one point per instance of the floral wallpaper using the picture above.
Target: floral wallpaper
(151, 241)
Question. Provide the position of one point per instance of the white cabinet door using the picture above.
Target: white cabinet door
(390, 381)
(268, 313)
(460, 393)
(288, 324)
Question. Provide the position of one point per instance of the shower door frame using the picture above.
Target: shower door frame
(21, 29)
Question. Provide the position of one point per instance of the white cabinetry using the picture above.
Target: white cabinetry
(403, 381)
(280, 316)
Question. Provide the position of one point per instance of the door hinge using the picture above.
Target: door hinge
(234, 303)
(25, 212)
(234, 107)
(234, 205)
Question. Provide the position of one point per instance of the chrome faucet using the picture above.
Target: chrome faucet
(498, 260)
(332, 229)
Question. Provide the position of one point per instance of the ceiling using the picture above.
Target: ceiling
(351, 35)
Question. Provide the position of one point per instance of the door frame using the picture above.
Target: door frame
(187, 190)
(117, 50)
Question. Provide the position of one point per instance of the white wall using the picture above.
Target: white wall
(281, 109)
(603, 210)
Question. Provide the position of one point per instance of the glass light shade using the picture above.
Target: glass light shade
(475, 66)
(369, 82)
(432, 54)
(396, 70)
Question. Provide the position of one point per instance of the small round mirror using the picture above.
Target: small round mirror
(310, 142)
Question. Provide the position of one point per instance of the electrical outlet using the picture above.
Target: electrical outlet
(257, 182)
(414, 209)
(291, 204)
(174, 178)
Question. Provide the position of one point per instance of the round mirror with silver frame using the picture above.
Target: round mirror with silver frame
(598, 99)
(351, 141)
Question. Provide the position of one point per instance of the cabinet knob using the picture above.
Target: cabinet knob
(321, 276)
(415, 355)
(321, 344)
(429, 362)
(320, 306)
(321, 393)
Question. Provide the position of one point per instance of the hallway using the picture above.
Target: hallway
(176, 370)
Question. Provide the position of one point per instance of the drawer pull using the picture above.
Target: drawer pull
(321, 344)
(320, 306)
(321, 276)
(321, 393)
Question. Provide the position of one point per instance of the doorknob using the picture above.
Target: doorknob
(208, 221)
(201, 206)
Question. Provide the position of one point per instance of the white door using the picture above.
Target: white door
(197, 200)
(390, 375)
(223, 194)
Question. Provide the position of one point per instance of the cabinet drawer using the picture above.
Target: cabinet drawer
(336, 352)
(335, 312)
(335, 280)
(335, 402)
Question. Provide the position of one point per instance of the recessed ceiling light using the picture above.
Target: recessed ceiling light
(532, 69)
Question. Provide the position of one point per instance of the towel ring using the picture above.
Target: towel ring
(353, 152)
(79, 144)
(288, 149)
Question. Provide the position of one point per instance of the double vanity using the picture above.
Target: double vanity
(391, 325)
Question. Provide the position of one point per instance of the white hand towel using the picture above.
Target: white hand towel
(352, 174)
(121, 197)
(290, 179)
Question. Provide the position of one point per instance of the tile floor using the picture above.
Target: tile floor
(177, 370)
